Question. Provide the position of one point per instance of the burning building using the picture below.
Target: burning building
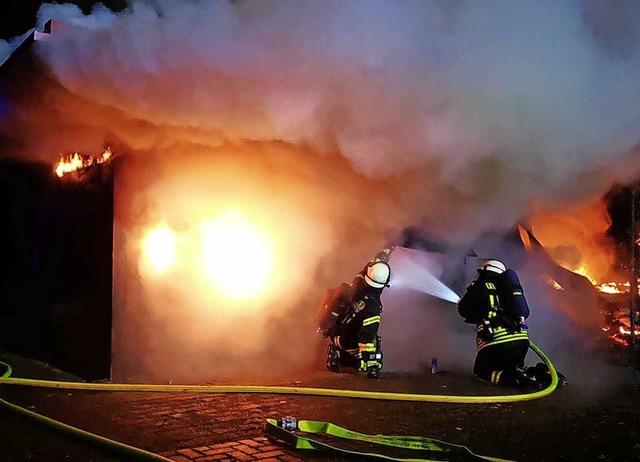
(56, 246)
(260, 164)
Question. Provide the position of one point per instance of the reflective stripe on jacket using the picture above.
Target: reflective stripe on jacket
(501, 335)
(502, 331)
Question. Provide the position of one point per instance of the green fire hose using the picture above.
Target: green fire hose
(137, 454)
(417, 448)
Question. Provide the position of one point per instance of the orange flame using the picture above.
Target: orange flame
(575, 239)
(622, 334)
(614, 287)
(582, 271)
(627, 331)
(75, 161)
(553, 283)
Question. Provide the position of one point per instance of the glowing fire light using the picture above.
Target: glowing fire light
(619, 329)
(238, 257)
(614, 287)
(622, 334)
(160, 249)
(75, 161)
(553, 283)
(582, 271)
(606, 287)
(627, 331)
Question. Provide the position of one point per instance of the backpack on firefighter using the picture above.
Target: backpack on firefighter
(335, 309)
(513, 302)
(508, 306)
(341, 303)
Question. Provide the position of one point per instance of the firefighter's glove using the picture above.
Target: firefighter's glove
(523, 323)
(485, 331)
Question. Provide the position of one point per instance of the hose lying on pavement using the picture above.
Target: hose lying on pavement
(115, 447)
(419, 447)
(138, 454)
(381, 395)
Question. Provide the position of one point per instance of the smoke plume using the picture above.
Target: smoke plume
(486, 107)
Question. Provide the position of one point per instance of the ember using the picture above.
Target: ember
(75, 162)
(617, 319)
(613, 287)
(619, 327)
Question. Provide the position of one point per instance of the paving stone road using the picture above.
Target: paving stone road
(566, 426)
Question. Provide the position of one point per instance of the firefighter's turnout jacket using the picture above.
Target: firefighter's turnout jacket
(484, 304)
(357, 334)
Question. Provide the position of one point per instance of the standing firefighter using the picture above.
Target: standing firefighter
(496, 304)
(350, 317)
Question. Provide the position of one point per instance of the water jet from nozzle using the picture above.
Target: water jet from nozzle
(409, 274)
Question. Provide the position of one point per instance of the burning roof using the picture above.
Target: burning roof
(75, 162)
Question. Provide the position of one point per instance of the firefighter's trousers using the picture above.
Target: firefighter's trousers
(499, 363)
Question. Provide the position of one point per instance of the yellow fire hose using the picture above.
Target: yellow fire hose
(138, 454)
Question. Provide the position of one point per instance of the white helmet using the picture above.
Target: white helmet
(378, 275)
(492, 265)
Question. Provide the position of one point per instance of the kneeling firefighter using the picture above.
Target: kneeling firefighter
(496, 304)
(350, 317)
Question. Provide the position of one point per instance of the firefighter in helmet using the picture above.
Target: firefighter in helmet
(496, 304)
(354, 342)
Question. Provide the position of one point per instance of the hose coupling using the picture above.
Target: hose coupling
(289, 423)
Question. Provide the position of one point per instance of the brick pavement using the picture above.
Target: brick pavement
(193, 426)
(179, 426)
(256, 449)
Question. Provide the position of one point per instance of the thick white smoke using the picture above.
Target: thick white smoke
(493, 104)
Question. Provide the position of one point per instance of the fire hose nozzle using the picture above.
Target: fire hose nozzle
(289, 423)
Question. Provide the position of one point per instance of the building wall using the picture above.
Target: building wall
(55, 275)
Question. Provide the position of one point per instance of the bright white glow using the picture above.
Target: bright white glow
(160, 249)
(238, 256)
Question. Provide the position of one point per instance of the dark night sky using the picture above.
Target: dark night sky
(18, 16)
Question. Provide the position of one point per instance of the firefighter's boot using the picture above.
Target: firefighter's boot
(543, 375)
(333, 358)
(562, 379)
(527, 377)
(539, 376)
